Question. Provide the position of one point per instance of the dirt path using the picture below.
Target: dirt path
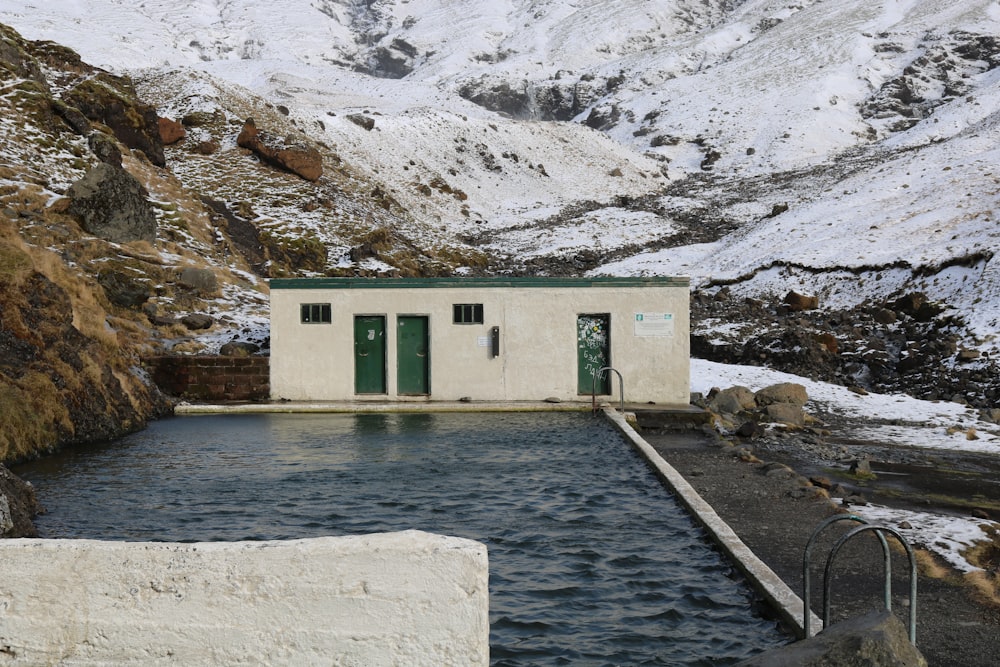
(775, 510)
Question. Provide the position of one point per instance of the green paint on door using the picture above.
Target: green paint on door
(593, 353)
(412, 355)
(369, 354)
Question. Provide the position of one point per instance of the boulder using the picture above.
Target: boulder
(362, 120)
(878, 638)
(301, 160)
(798, 302)
(784, 392)
(76, 120)
(828, 341)
(209, 147)
(786, 413)
(203, 280)
(123, 289)
(732, 401)
(105, 148)
(170, 131)
(18, 506)
(111, 204)
(197, 321)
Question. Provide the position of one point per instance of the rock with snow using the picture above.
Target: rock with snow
(299, 159)
(197, 321)
(170, 131)
(202, 280)
(797, 302)
(111, 204)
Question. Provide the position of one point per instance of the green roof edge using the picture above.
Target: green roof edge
(478, 282)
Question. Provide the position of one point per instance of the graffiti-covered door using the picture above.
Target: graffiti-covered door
(593, 352)
(369, 354)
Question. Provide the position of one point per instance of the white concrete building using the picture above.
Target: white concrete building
(481, 339)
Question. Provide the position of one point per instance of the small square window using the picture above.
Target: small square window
(316, 313)
(468, 313)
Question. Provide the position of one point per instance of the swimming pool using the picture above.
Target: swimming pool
(592, 562)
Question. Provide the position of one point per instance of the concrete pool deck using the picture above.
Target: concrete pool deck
(787, 605)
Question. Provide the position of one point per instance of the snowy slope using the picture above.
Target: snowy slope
(875, 123)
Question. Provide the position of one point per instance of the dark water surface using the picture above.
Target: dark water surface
(592, 562)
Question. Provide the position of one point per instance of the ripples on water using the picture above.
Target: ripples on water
(591, 560)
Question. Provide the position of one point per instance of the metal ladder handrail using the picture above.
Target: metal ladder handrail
(913, 573)
(593, 388)
(806, 577)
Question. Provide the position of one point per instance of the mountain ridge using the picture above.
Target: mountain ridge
(843, 150)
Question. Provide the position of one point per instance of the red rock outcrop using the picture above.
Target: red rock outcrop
(296, 158)
(170, 131)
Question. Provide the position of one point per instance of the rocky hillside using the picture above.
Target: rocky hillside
(124, 233)
(825, 173)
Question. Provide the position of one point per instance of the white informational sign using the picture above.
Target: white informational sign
(654, 324)
(483, 341)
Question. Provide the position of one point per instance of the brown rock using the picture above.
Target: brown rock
(878, 638)
(784, 392)
(829, 341)
(786, 413)
(206, 147)
(170, 131)
(197, 321)
(732, 401)
(965, 354)
(798, 302)
(298, 159)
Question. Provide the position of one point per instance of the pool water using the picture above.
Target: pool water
(592, 562)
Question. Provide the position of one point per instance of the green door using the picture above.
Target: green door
(369, 354)
(593, 352)
(412, 355)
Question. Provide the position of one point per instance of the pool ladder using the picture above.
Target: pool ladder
(880, 532)
(593, 388)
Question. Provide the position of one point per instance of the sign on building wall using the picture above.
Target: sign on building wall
(654, 324)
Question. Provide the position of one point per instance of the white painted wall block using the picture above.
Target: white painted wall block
(408, 598)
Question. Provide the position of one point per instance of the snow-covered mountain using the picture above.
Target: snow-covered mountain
(847, 149)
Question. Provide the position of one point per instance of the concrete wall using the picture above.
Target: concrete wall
(212, 377)
(537, 319)
(407, 598)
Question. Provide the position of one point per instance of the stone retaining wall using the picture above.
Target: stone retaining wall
(408, 598)
(212, 378)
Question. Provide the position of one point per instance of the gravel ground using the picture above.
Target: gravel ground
(774, 509)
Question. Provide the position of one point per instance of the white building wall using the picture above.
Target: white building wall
(538, 338)
(407, 598)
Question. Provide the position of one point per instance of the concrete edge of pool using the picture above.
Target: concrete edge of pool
(779, 595)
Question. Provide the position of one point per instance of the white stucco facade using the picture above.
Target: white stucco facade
(409, 598)
(518, 339)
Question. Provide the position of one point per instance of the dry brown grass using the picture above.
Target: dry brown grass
(31, 416)
(986, 555)
(930, 566)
